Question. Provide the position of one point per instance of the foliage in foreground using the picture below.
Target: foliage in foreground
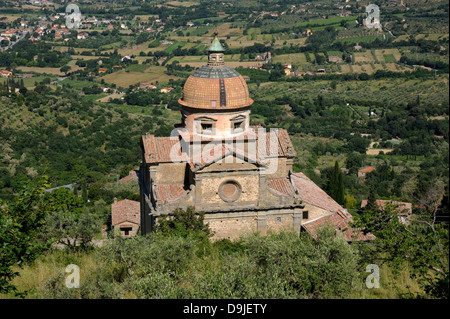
(422, 243)
(280, 265)
(20, 222)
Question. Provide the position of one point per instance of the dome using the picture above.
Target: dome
(215, 86)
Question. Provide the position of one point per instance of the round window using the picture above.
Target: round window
(230, 191)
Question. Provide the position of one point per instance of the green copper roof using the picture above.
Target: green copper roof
(208, 72)
(216, 46)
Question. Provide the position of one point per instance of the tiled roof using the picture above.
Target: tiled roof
(228, 92)
(312, 194)
(169, 192)
(404, 208)
(339, 221)
(275, 143)
(132, 176)
(164, 149)
(282, 186)
(126, 211)
(367, 169)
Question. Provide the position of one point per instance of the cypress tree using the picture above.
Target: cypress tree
(340, 195)
(371, 201)
(336, 185)
(84, 192)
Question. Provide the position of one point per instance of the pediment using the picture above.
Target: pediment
(224, 156)
(230, 162)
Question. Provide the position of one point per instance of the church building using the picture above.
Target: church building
(239, 175)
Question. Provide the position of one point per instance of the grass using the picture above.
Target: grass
(34, 276)
(358, 39)
(182, 3)
(365, 57)
(175, 46)
(93, 97)
(392, 286)
(76, 84)
(387, 55)
(225, 30)
(389, 58)
(125, 79)
(35, 69)
(293, 58)
(137, 67)
(326, 22)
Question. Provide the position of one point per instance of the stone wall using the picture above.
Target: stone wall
(314, 212)
(279, 222)
(170, 173)
(210, 184)
(131, 227)
(232, 225)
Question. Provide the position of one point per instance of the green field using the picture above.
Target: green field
(137, 67)
(329, 21)
(175, 46)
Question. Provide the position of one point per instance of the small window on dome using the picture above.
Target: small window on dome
(238, 124)
(213, 103)
(206, 128)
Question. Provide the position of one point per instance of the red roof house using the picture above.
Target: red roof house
(126, 216)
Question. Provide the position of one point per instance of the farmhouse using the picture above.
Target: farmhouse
(146, 85)
(6, 74)
(125, 217)
(82, 36)
(166, 90)
(364, 171)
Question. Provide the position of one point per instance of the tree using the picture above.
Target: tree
(182, 222)
(65, 69)
(421, 243)
(335, 185)
(371, 201)
(70, 224)
(20, 222)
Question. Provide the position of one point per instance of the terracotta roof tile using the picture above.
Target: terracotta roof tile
(312, 194)
(162, 149)
(126, 211)
(367, 169)
(282, 186)
(132, 176)
(339, 222)
(169, 193)
(274, 143)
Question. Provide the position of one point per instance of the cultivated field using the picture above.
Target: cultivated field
(29, 69)
(124, 79)
(294, 58)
